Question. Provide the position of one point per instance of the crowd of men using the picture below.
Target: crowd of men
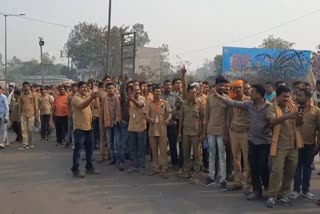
(260, 138)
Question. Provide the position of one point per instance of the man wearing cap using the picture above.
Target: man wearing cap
(238, 121)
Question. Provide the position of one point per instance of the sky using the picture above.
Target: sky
(195, 30)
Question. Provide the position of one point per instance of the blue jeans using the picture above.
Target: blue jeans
(115, 146)
(304, 171)
(3, 130)
(70, 137)
(137, 142)
(96, 132)
(82, 137)
(213, 141)
(124, 136)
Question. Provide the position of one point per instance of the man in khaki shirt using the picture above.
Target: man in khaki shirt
(311, 139)
(191, 127)
(159, 115)
(82, 128)
(45, 106)
(137, 129)
(284, 147)
(28, 108)
(238, 130)
(215, 122)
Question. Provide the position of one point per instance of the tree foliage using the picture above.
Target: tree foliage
(276, 43)
(87, 45)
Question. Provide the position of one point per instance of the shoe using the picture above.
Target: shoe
(294, 195)
(318, 173)
(2, 146)
(318, 202)
(285, 200)
(164, 175)
(42, 139)
(24, 147)
(111, 163)
(154, 172)
(132, 170)
(31, 146)
(121, 167)
(142, 172)
(101, 160)
(235, 187)
(313, 167)
(59, 144)
(194, 180)
(309, 195)
(184, 177)
(254, 196)
(223, 186)
(78, 174)
(92, 172)
(271, 202)
(209, 182)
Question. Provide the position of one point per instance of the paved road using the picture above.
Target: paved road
(38, 181)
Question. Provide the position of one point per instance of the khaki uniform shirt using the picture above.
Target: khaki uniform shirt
(193, 115)
(82, 118)
(216, 111)
(287, 137)
(45, 104)
(158, 112)
(239, 119)
(28, 105)
(311, 125)
(15, 112)
(137, 121)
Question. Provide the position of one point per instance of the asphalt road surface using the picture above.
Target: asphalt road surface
(39, 181)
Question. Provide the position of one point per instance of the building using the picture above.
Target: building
(147, 63)
(48, 79)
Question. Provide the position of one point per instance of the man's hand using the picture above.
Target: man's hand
(179, 138)
(183, 70)
(202, 137)
(214, 92)
(94, 95)
(294, 115)
(167, 122)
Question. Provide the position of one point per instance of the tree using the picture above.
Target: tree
(87, 45)
(166, 68)
(142, 36)
(217, 62)
(276, 43)
(206, 70)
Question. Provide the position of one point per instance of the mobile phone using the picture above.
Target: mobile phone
(301, 108)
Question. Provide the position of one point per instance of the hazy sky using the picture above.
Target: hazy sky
(193, 29)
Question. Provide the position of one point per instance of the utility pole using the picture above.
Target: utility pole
(41, 43)
(108, 37)
(5, 44)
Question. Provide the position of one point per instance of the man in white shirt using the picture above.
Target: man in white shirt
(4, 119)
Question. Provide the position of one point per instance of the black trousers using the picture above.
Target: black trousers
(172, 138)
(259, 158)
(61, 124)
(304, 171)
(45, 125)
(16, 127)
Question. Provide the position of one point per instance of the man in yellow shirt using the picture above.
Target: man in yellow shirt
(82, 128)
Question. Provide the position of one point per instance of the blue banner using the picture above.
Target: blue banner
(275, 62)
